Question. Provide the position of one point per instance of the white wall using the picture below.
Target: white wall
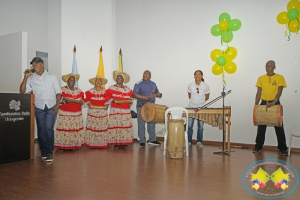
(13, 56)
(29, 16)
(54, 37)
(88, 25)
(172, 39)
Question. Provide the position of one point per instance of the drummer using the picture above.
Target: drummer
(145, 91)
(269, 90)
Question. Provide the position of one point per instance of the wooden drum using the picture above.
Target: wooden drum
(153, 113)
(271, 117)
(175, 143)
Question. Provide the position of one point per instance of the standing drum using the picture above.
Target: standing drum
(270, 117)
(175, 143)
(153, 113)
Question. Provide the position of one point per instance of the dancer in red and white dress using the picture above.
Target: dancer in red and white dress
(69, 127)
(120, 133)
(97, 118)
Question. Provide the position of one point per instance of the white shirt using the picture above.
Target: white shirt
(45, 88)
(197, 100)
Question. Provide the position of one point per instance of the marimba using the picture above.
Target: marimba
(214, 117)
(151, 112)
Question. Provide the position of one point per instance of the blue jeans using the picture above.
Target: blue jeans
(45, 120)
(141, 128)
(199, 131)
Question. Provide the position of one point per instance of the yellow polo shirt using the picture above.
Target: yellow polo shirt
(269, 86)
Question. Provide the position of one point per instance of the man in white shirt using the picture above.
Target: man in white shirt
(198, 93)
(47, 93)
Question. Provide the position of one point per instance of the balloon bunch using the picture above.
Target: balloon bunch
(291, 18)
(225, 27)
(224, 60)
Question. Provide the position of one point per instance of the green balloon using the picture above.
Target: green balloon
(215, 31)
(235, 24)
(293, 14)
(224, 17)
(221, 60)
(227, 36)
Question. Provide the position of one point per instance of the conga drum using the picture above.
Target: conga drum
(271, 117)
(175, 143)
(153, 113)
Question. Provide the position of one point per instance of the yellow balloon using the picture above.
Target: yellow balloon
(282, 18)
(215, 54)
(293, 4)
(230, 67)
(223, 26)
(230, 53)
(217, 69)
(294, 26)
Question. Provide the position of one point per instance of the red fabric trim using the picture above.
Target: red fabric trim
(95, 147)
(96, 117)
(121, 114)
(64, 94)
(98, 102)
(110, 92)
(118, 143)
(70, 130)
(60, 147)
(96, 130)
(121, 106)
(71, 115)
(71, 107)
(119, 127)
(89, 96)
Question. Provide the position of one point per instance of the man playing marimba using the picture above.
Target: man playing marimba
(269, 90)
(198, 93)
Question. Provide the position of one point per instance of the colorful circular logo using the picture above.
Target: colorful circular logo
(270, 178)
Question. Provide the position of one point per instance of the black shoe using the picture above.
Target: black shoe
(123, 146)
(154, 143)
(142, 144)
(256, 150)
(49, 158)
(284, 153)
(116, 146)
(44, 157)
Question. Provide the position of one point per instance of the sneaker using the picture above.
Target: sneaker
(190, 144)
(142, 144)
(44, 157)
(116, 146)
(199, 144)
(256, 150)
(284, 153)
(154, 143)
(49, 158)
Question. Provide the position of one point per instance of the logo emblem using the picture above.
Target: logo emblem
(270, 178)
(15, 105)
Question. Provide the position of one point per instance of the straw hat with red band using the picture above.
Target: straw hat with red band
(93, 80)
(66, 77)
(124, 74)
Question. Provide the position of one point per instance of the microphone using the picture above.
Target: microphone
(32, 71)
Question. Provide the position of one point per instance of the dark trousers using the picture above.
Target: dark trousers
(45, 120)
(261, 132)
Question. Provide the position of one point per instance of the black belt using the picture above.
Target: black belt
(268, 101)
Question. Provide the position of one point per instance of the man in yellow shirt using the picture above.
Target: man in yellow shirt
(269, 90)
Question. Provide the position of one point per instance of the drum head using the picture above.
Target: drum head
(148, 112)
